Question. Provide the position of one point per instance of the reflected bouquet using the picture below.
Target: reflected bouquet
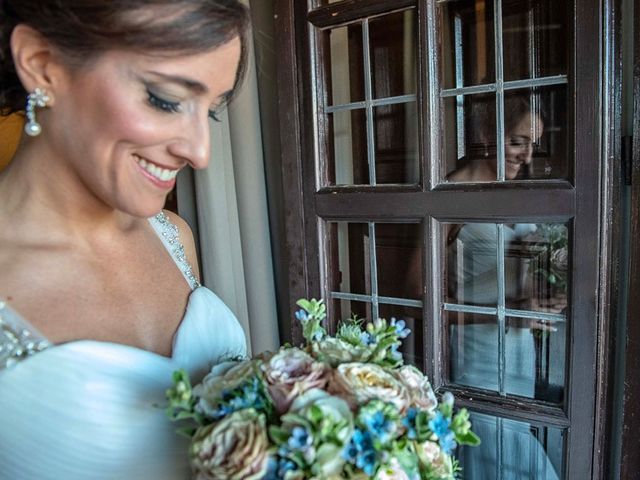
(338, 407)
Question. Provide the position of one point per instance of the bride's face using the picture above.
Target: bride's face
(127, 123)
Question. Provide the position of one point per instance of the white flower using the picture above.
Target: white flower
(420, 391)
(392, 471)
(360, 382)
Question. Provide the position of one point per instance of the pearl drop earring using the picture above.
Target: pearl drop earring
(38, 98)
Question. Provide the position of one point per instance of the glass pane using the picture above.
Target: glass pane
(534, 355)
(534, 360)
(513, 450)
(473, 356)
(535, 135)
(349, 164)
(536, 38)
(539, 254)
(399, 260)
(534, 280)
(393, 46)
(472, 264)
(345, 309)
(413, 346)
(466, 42)
(396, 143)
(346, 68)
(350, 243)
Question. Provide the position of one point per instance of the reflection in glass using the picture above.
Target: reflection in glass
(399, 260)
(347, 73)
(535, 135)
(346, 309)
(396, 143)
(534, 352)
(351, 243)
(539, 254)
(530, 281)
(412, 347)
(467, 43)
(379, 276)
(393, 43)
(349, 164)
(474, 356)
(513, 450)
(472, 259)
(535, 38)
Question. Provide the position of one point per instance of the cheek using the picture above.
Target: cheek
(126, 120)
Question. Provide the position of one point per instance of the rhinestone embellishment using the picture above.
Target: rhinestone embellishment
(171, 235)
(17, 342)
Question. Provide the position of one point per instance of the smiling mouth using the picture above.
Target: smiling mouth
(162, 174)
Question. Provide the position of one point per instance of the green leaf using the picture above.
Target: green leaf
(468, 438)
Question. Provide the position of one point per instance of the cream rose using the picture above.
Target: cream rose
(360, 382)
(420, 392)
(234, 448)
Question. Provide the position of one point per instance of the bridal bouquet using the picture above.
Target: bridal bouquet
(338, 407)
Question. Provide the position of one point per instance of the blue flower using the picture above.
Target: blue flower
(367, 339)
(446, 438)
(409, 421)
(302, 316)
(361, 452)
(447, 443)
(400, 327)
(278, 467)
(395, 354)
(440, 425)
(300, 439)
(379, 426)
(247, 395)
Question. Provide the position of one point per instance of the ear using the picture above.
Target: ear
(37, 62)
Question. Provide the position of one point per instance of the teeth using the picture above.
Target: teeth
(162, 174)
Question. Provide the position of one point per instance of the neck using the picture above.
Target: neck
(39, 193)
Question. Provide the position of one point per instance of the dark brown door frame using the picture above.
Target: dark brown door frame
(302, 244)
(630, 459)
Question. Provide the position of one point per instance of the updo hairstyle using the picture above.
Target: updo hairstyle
(83, 29)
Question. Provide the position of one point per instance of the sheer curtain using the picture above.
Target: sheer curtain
(230, 208)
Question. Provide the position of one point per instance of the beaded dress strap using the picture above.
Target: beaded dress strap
(170, 237)
(18, 339)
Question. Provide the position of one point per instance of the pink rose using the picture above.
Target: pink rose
(289, 373)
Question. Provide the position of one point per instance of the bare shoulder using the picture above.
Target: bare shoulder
(186, 237)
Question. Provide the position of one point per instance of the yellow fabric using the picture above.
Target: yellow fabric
(10, 132)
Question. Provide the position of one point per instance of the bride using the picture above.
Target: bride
(99, 302)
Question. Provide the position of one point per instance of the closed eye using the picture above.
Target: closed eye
(163, 104)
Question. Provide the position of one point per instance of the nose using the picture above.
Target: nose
(192, 143)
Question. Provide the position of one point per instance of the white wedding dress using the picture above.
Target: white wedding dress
(95, 410)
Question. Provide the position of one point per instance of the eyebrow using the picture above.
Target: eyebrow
(193, 85)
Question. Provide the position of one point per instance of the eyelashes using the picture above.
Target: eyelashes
(168, 106)
(162, 104)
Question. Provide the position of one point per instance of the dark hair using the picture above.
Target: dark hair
(83, 29)
(481, 123)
